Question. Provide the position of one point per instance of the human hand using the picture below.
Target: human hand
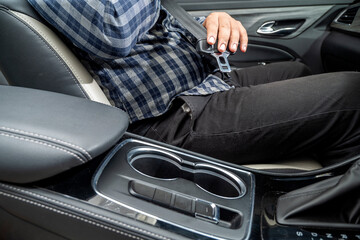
(227, 30)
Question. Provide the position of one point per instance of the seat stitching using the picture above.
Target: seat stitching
(42, 143)
(48, 138)
(83, 211)
(70, 215)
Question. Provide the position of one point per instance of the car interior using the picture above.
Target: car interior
(69, 169)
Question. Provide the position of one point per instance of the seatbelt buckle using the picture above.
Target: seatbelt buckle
(206, 49)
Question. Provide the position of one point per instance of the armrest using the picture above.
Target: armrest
(45, 133)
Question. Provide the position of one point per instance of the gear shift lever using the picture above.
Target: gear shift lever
(334, 202)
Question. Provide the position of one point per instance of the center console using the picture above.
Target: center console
(198, 197)
(59, 181)
(144, 189)
(188, 194)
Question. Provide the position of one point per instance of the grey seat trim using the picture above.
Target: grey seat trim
(3, 79)
(82, 76)
(296, 164)
(34, 56)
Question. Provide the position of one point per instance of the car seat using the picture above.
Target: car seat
(35, 55)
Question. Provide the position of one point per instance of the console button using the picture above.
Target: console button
(141, 190)
(184, 204)
(205, 209)
(162, 197)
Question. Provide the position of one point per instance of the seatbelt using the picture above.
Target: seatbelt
(199, 32)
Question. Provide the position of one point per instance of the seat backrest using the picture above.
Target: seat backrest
(34, 56)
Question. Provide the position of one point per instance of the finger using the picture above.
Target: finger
(243, 38)
(235, 36)
(211, 24)
(224, 33)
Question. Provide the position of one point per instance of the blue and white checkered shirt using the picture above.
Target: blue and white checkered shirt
(138, 53)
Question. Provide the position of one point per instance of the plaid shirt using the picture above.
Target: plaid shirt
(138, 53)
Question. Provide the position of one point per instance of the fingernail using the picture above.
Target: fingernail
(243, 48)
(222, 47)
(211, 40)
(234, 47)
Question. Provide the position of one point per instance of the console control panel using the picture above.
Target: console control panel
(179, 202)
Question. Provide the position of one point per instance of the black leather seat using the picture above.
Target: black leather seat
(33, 56)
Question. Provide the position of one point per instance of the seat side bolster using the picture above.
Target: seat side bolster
(87, 83)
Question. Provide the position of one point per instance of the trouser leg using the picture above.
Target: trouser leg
(268, 73)
(312, 115)
(259, 123)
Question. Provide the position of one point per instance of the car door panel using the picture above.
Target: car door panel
(252, 19)
(258, 54)
(304, 43)
(190, 5)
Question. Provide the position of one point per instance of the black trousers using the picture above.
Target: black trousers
(273, 112)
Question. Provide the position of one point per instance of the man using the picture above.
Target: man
(146, 63)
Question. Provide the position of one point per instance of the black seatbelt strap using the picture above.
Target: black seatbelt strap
(199, 32)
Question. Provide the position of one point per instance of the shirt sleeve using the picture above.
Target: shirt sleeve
(105, 28)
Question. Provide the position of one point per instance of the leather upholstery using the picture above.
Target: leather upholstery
(22, 7)
(333, 203)
(66, 218)
(3, 79)
(44, 133)
(22, 66)
(34, 56)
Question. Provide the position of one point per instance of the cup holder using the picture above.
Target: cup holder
(157, 165)
(164, 166)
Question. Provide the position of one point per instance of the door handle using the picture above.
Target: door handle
(269, 29)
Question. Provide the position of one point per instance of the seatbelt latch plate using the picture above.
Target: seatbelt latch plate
(206, 49)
